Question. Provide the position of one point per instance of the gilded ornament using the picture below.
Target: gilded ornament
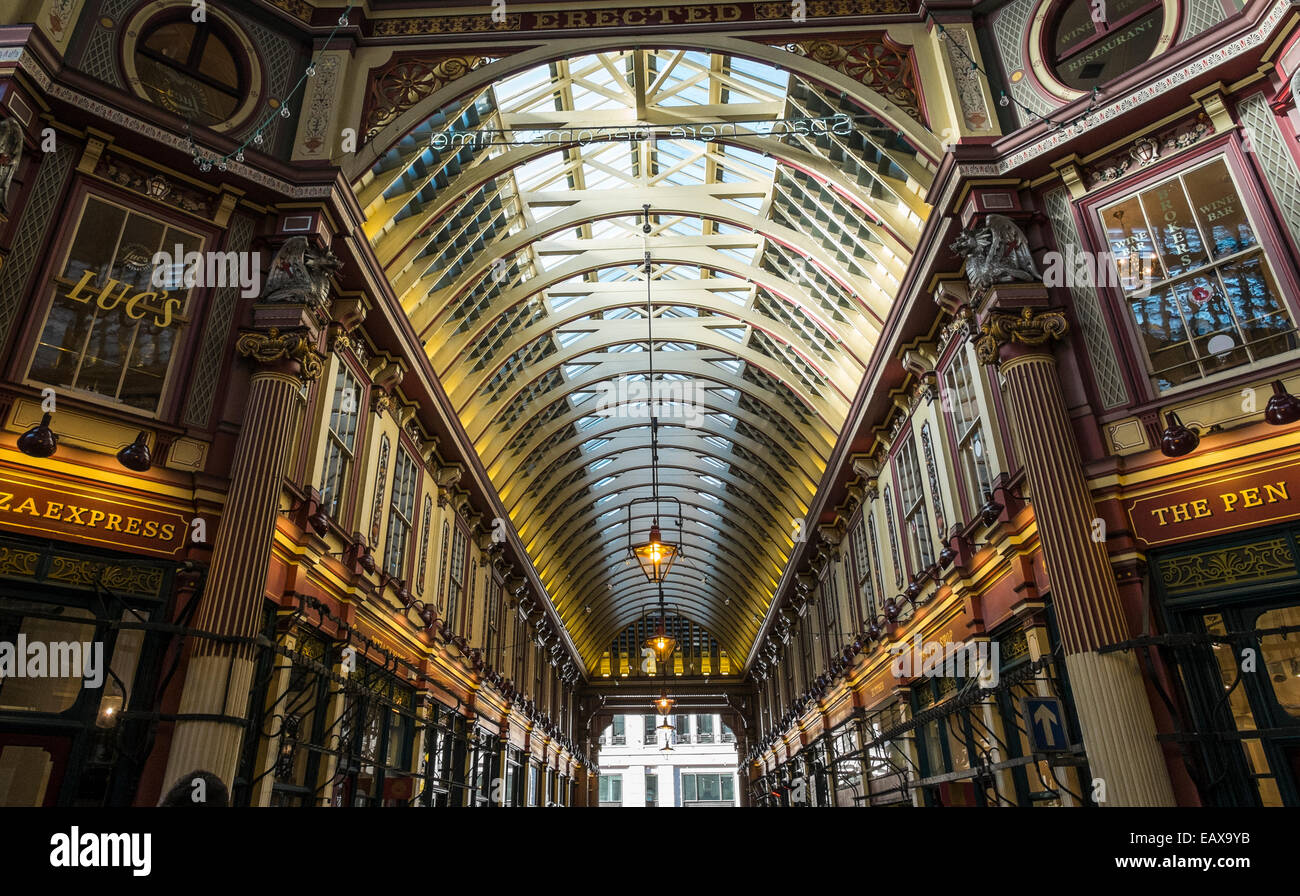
(273, 346)
(1027, 328)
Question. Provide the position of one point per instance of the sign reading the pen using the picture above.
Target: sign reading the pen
(1242, 501)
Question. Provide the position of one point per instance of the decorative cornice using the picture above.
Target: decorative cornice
(273, 346)
(1029, 327)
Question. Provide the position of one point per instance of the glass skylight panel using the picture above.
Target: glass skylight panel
(731, 365)
(562, 301)
(711, 480)
(734, 333)
(601, 464)
(714, 462)
(686, 227)
(567, 339)
(604, 482)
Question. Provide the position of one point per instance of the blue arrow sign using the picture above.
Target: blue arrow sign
(1045, 721)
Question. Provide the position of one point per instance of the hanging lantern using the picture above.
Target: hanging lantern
(655, 556)
(662, 643)
(664, 705)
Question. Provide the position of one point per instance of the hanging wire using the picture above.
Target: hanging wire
(206, 162)
(1004, 98)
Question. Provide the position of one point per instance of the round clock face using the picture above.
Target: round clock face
(1091, 42)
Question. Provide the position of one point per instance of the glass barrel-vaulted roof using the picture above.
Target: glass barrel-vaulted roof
(774, 260)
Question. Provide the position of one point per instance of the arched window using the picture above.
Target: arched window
(191, 69)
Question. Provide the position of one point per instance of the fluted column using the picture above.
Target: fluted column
(1114, 714)
(219, 676)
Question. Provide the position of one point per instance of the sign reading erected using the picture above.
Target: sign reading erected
(1240, 501)
(72, 513)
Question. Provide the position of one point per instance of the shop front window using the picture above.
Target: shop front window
(1195, 278)
(110, 332)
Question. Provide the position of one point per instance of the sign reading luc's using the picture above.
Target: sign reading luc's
(1243, 501)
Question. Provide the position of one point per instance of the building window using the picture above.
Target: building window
(1092, 43)
(1198, 286)
(340, 440)
(456, 582)
(651, 788)
(648, 724)
(704, 729)
(707, 788)
(190, 69)
(962, 404)
(862, 551)
(611, 789)
(401, 510)
(619, 731)
(916, 522)
(683, 732)
(494, 648)
(109, 331)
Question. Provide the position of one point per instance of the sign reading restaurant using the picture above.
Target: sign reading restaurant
(1233, 502)
(67, 512)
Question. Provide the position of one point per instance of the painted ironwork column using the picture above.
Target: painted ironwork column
(220, 671)
(1114, 713)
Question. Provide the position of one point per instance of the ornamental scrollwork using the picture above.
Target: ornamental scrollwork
(1026, 328)
(273, 346)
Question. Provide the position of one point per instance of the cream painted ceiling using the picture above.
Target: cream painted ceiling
(773, 263)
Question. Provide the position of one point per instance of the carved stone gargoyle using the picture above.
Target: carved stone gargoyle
(300, 274)
(995, 252)
(11, 153)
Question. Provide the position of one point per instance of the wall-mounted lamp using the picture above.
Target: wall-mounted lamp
(1178, 440)
(991, 510)
(40, 440)
(136, 455)
(1283, 407)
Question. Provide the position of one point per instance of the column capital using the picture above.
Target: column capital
(293, 351)
(1001, 331)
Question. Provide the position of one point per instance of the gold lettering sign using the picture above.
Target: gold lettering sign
(72, 513)
(1226, 504)
(135, 306)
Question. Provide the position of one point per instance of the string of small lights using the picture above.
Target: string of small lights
(207, 162)
(1005, 99)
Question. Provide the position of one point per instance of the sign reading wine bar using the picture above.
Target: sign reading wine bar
(72, 514)
(1233, 502)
